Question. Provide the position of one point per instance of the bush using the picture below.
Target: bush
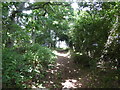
(21, 68)
(81, 59)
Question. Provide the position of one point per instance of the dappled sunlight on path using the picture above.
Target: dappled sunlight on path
(71, 83)
(65, 73)
(63, 54)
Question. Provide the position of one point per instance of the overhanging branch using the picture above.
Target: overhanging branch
(22, 8)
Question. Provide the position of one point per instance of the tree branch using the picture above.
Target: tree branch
(37, 7)
(60, 4)
(22, 8)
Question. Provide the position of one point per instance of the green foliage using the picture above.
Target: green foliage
(19, 68)
(81, 59)
(92, 31)
(93, 34)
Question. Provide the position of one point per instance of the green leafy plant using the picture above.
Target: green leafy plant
(18, 69)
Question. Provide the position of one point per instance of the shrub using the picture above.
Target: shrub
(81, 59)
(19, 69)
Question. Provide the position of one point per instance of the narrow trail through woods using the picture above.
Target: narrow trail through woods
(66, 74)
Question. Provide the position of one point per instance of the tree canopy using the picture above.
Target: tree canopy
(31, 31)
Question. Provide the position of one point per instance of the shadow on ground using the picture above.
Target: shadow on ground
(65, 74)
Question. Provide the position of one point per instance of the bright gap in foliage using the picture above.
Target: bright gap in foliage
(61, 44)
(74, 6)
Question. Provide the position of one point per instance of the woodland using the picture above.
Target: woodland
(31, 58)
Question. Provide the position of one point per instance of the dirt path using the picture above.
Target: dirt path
(65, 74)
